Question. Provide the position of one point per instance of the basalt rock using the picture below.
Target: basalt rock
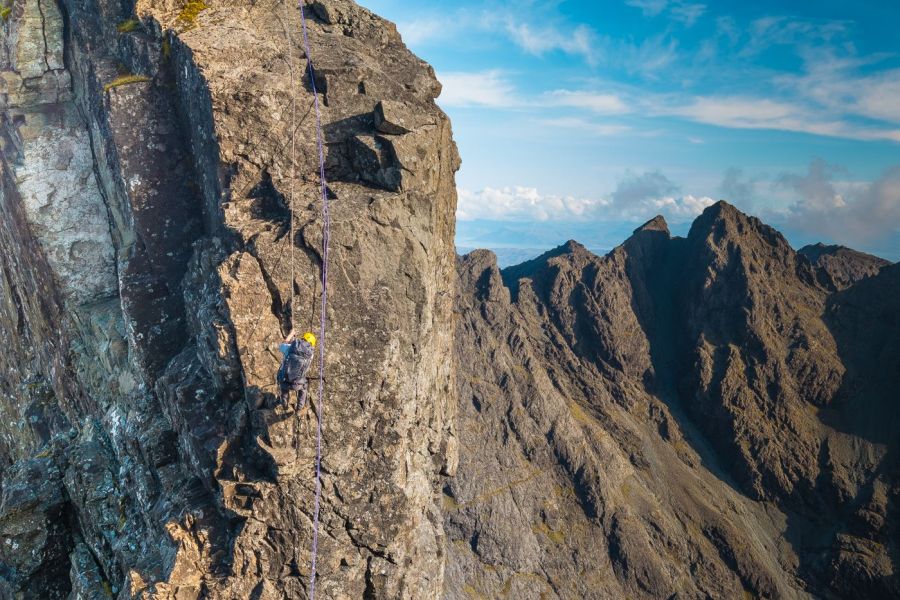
(705, 417)
(153, 155)
(843, 266)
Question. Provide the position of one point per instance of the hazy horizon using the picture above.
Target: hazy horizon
(518, 242)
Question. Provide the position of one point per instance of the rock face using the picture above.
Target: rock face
(843, 266)
(708, 417)
(150, 267)
(683, 418)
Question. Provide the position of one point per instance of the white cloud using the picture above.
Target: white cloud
(738, 189)
(586, 126)
(580, 41)
(767, 32)
(688, 14)
(492, 89)
(836, 93)
(524, 204)
(645, 195)
(847, 213)
(683, 208)
(464, 25)
(635, 189)
(485, 89)
(604, 104)
(637, 198)
(879, 97)
(648, 57)
(650, 8)
(735, 111)
(835, 84)
(816, 191)
(421, 31)
(683, 12)
(759, 113)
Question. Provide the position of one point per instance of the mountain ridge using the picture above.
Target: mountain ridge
(718, 356)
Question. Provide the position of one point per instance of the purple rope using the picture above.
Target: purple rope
(326, 235)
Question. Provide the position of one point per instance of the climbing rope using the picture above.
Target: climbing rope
(326, 234)
(279, 153)
(293, 177)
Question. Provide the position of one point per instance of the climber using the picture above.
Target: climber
(298, 355)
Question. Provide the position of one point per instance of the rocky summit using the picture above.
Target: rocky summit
(713, 416)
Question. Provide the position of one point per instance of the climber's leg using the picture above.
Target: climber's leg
(301, 397)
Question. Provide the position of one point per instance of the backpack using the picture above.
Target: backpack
(296, 364)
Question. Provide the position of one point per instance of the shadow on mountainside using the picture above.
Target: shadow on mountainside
(658, 303)
(840, 545)
(654, 266)
(865, 322)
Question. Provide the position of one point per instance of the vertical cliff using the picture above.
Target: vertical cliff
(146, 281)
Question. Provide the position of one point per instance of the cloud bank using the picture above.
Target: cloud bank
(637, 198)
(853, 214)
(817, 202)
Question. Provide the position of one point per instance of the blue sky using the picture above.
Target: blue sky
(580, 119)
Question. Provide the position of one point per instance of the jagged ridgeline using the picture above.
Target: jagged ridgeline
(705, 417)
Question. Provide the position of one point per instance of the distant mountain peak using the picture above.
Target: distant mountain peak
(722, 226)
(844, 266)
(723, 208)
(528, 269)
(480, 258)
(814, 252)
(719, 212)
(657, 223)
(573, 247)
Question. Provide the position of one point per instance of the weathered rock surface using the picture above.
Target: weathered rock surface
(149, 264)
(708, 417)
(843, 266)
(682, 418)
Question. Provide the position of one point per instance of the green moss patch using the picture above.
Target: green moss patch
(125, 80)
(128, 26)
(557, 537)
(187, 18)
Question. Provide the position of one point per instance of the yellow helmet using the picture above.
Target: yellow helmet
(311, 338)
